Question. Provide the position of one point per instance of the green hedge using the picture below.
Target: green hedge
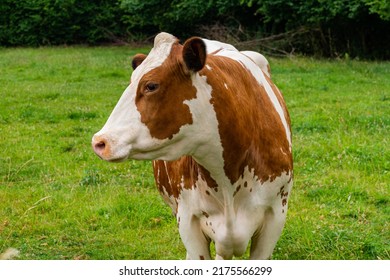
(52, 22)
(354, 27)
(357, 28)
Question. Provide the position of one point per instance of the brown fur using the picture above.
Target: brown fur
(163, 111)
(169, 175)
(251, 131)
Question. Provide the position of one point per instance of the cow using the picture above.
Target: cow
(218, 132)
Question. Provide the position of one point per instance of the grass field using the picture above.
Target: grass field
(59, 201)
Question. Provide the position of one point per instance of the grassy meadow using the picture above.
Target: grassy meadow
(59, 201)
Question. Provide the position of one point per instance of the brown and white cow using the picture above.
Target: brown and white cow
(219, 133)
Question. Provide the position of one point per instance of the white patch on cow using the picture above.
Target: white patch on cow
(259, 59)
(208, 150)
(157, 55)
(215, 46)
(226, 86)
(208, 67)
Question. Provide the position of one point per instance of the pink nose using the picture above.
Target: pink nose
(100, 146)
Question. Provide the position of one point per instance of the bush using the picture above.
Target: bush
(355, 28)
(184, 17)
(52, 22)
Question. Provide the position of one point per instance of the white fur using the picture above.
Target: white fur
(260, 60)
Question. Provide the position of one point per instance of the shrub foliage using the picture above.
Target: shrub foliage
(320, 27)
(52, 22)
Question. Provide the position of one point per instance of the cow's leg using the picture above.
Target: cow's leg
(264, 241)
(194, 240)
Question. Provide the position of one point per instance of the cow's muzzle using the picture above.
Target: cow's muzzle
(101, 147)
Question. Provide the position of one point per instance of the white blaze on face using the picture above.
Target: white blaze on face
(124, 133)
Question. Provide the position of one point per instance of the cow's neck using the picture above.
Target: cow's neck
(208, 151)
(213, 158)
(240, 136)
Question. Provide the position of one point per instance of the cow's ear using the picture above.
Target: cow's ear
(137, 60)
(194, 54)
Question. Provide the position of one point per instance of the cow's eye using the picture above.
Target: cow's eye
(151, 87)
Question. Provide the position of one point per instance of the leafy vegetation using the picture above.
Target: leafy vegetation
(356, 28)
(53, 22)
(59, 201)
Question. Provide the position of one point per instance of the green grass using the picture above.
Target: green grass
(341, 119)
(59, 201)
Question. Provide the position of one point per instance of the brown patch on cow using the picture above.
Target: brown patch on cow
(283, 196)
(161, 107)
(201, 257)
(205, 214)
(245, 184)
(169, 175)
(236, 191)
(253, 137)
(282, 193)
(172, 176)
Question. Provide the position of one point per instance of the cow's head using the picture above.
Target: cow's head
(153, 118)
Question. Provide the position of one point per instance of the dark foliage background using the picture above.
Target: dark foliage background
(329, 28)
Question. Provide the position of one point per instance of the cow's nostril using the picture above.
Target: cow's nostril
(99, 147)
